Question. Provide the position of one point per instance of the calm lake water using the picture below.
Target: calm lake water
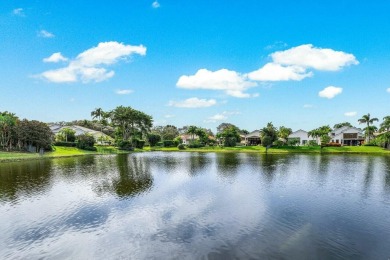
(196, 206)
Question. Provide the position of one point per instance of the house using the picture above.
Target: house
(301, 136)
(347, 135)
(253, 138)
(186, 138)
(100, 137)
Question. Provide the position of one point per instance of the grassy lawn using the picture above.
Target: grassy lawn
(60, 151)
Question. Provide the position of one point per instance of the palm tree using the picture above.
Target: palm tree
(98, 113)
(385, 125)
(366, 119)
(192, 130)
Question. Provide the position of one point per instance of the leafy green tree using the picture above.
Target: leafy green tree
(34, 133)
(230, 136)
(366, 119)
(268, 135)
(153, 139)
(222, 127)
(339, 125)
(130, 122)
(202, 134)
(7, 124)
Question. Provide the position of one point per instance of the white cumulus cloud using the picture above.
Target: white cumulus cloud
(308, 56)
(155, 4)
(276, 72)
(350, 113)
(45, 34)
(221, 116)
(233, 83)
(193, 103)
(330, 92)
(91, 64)
(388, 90)
(55, 57)
(169, 116)
(124, 91)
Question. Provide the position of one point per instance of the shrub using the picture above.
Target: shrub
(312, 143)
(181, 147)
(169, 143)
(334, 144)
(66, 144)
(85, 142)
(293, 141)
(278, 143)
(153, 139)
(160, 144)
(196, 144)
(125, 145)
(139, 143)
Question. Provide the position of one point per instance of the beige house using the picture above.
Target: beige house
(346, 135)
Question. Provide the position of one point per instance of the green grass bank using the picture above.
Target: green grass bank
(72, 151)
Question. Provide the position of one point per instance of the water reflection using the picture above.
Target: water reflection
(133, 177)
(27, 179)
(196, 206)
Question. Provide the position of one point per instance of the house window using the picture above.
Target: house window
(304, 142)
(337, 141)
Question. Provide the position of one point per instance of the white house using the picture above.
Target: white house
(302, 136)
(347, 136)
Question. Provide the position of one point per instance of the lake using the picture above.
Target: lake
(160, 205)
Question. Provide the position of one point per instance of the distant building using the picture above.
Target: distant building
(100, 137)
(253, 138)
(347, 135)
(301, 136)
(186, 138)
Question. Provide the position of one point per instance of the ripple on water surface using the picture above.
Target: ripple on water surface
(196, 205)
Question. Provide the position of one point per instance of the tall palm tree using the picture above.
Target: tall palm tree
(98, 113)
(366, 119)
(192, 130)
(385, 125)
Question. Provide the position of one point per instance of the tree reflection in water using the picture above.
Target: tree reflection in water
(28, 178)
(132, 178)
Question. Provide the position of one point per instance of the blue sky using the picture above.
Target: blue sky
(296, 63)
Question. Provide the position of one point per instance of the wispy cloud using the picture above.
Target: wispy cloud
(388, 90)
(330, 92)
(90, 65)
(193, 103)
(351, 114)
(221, 116)
(155, 4)
(55, 57)
(18, 12)
(124, 91)
(169, 116)
(308, 106)
(45, 34)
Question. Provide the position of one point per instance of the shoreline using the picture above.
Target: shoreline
(66, 152)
